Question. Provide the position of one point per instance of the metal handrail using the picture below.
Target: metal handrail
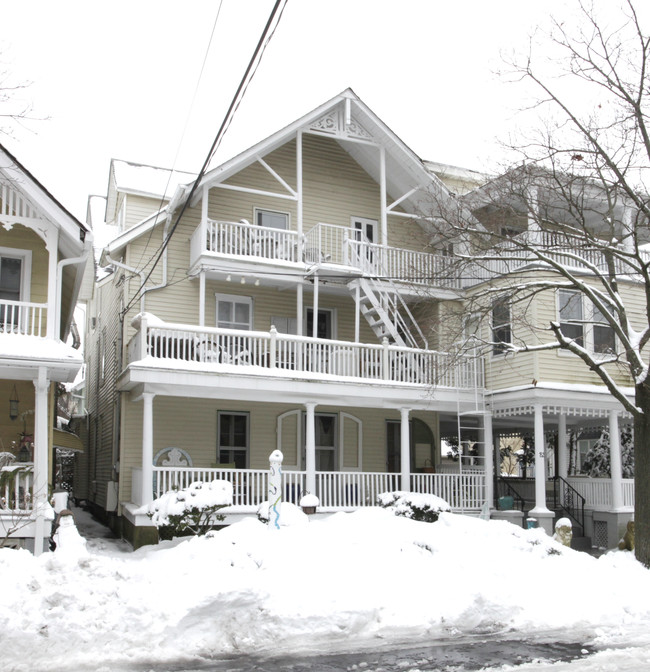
(510, 490)
(566, 503)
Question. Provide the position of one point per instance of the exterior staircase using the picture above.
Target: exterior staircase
(387, 313)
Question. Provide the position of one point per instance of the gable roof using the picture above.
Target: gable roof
(142, 180)
(12, 172)
(359, 131)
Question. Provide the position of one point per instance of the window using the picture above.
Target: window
(571, 315)
(232, 437)
(501, 327)
(325, 439)
(583, 322)
(272, 219)
(234, 312)
(604, 336)
(324, 325)
(15, 271)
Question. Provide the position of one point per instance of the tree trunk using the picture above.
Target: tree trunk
(642, 476)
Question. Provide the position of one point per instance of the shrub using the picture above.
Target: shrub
(192, 510)
(425, 508)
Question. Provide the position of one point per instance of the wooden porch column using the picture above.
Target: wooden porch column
(540, 463)
(615, 461)
(310, 449)
(314, 325)
(147, 447)
(52, 246)
(488, 449)
(562, 452)
(405, 451)
(41, 451)
(202, 299)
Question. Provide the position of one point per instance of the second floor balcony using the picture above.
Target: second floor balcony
(336, 247)
(269, 353)
(23, 318)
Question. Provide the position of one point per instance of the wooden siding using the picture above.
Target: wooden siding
(102, 343)
(191, 424)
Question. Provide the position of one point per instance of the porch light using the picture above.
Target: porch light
(13, 404)
(228, 278)
(243, 281)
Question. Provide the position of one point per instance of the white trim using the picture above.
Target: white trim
(365, 221)
(233, 298)
(343, 416)
(245, 414)
(280, 419)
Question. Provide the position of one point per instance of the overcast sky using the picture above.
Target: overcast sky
(117, 78)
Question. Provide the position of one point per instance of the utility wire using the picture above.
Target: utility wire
(252, 66)
(182, 138)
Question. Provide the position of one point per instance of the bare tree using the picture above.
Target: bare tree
(568, 225)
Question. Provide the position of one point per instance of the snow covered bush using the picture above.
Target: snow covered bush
(425, 508)
(192, 510)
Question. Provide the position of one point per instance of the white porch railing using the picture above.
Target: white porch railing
(244, 239)
(271, 350)
(598, 491)
(16, 493)
(336, 490)
(23, 317)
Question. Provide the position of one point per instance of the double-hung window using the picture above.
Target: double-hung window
(232, 437)
(234, 312)
(572, 322)
(583, 322)
(15, 269)
(501, 325)
(603, 333)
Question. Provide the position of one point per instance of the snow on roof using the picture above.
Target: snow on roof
(148, 180)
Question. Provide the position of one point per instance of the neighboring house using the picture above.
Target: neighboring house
(297, 299)
(45, 267)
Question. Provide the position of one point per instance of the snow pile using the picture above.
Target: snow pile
(352, 578)
(197, 495)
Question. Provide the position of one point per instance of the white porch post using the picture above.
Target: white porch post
(299, 204)
(202, 299)
(310, 448)
(540, 463)
(382, 195)
(615, 461)
(41, 449)
(405, 450)
(488, 449)
(314, 325)
(52, 248)
(562, 453)
(147, 447)
(357, 312)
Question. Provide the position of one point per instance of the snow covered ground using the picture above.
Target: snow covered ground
(351, 581)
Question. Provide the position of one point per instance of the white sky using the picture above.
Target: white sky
(116, 79)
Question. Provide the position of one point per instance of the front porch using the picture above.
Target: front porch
(336, 490)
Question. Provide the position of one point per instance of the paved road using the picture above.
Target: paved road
(449, 656)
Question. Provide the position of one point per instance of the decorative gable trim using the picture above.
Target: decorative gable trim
(333, 123)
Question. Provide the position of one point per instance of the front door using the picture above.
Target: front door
(365, 231)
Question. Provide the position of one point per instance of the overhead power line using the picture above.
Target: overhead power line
(267, 34)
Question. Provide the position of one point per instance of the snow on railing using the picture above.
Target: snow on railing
(22, 317)
(271, 350)
(18, 483)
(598, 491)
(335, 489)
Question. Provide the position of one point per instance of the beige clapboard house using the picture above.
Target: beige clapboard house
(293, 300)
(45, 268)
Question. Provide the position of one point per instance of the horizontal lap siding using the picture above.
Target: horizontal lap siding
(191, 424)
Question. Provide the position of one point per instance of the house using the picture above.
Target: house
(45, 269)
(296, 298)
